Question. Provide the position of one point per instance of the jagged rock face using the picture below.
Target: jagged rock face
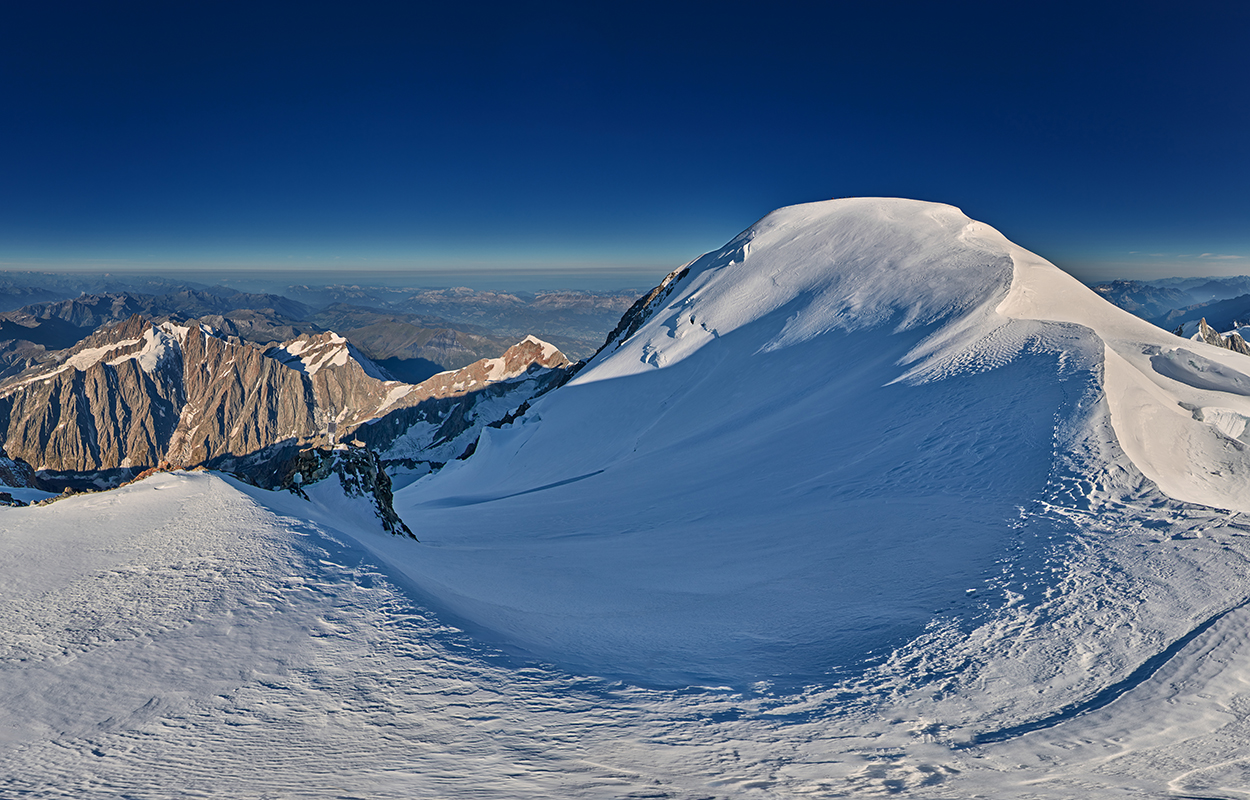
(439, 419)
(138, 395)
(17, 473)
(347, 388)
(238, 403)
(134, 395)
(438, 429)
(359, 472)
(1232, 341)
(112, 403)
(530, 354)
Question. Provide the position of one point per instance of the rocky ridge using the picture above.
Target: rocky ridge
(642, 309)
(412, 347)
(136, 395)
(360, 474)
(15, 474)
(1232, 341)
(441, 418)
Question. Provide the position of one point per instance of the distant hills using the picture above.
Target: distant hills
(1181, 303)
(411, 334)
(575, 321)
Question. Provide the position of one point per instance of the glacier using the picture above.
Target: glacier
(870, 501)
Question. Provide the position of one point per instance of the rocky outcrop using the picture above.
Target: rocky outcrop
(1232, 341)
(359, 472)
(440, 419)
(528, 356)
(17, 474)
(642, 309)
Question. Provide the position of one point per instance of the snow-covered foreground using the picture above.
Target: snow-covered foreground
(872, 500)
(189, 636)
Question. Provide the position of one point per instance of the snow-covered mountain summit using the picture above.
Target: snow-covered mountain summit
(848, 265)
(860, 421)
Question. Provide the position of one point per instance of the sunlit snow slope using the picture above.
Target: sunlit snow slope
(820, 443)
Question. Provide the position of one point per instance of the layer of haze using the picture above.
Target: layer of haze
(586, 140)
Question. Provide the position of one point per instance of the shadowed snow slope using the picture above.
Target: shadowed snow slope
(818, 443)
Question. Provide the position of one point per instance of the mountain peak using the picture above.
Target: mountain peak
(310, 352)
(854, 390)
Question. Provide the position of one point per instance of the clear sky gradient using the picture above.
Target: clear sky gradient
(1111, 138)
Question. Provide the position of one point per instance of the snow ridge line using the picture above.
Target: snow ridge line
(1108, 695)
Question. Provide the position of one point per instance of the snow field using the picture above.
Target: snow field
(190, 636)
(203, 638)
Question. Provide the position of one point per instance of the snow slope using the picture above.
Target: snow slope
(864, 428)
(188, 635)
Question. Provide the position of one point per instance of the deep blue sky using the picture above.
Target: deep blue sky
(1112, 138)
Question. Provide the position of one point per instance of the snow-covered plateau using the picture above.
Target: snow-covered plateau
(869, 501)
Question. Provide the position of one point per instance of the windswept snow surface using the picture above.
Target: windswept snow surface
(190, 636)
(874, 502)
(187, 636)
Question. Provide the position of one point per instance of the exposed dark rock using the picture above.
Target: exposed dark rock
(642, 309)
(470, 450)
(359, 471)
(1232, 341)
(17, 473)
(454, 407)
(511, 416)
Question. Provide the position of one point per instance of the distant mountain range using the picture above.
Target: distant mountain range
(406, 319)
(1181, 303)
(102, 377)
(138, 394)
